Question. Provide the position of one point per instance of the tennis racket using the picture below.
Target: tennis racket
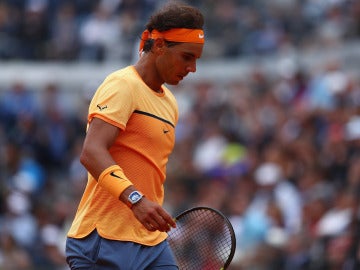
(203, 239)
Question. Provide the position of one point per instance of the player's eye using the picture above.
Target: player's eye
(188, 57)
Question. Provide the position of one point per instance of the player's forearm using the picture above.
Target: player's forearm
(96, 160)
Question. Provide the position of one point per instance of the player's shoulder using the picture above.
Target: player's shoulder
(124, 76)
(123, 73)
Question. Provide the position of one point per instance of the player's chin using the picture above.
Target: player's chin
(175, 81)
(172, 83)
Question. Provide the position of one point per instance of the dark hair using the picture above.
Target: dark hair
(174, 15)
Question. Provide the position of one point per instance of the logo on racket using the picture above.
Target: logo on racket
(203, 239)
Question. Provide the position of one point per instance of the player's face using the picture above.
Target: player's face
(177, 61)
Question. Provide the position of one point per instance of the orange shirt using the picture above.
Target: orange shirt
(147, 120)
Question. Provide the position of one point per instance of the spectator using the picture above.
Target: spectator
(99, 32)
(64, 42)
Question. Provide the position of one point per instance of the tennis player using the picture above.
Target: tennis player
(120, 222)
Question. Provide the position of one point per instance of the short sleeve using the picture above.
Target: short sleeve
(113, 102)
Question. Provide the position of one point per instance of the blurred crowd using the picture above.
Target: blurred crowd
(107, 30)
(41, 178)
(278, 153)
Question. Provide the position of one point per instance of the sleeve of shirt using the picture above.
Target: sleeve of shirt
(113, 102)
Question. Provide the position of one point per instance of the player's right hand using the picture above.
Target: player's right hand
(153, 216)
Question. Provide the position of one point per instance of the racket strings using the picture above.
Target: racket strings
(202, 240)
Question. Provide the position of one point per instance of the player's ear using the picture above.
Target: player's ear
(159, 45)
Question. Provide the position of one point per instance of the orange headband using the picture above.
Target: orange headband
(175, 34)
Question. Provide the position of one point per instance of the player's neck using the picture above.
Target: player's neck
(146, 69)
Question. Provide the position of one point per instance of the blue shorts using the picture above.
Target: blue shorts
(94, 253)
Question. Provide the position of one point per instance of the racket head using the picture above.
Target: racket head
(203, 239)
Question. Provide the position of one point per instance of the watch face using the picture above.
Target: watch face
(135, 196)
